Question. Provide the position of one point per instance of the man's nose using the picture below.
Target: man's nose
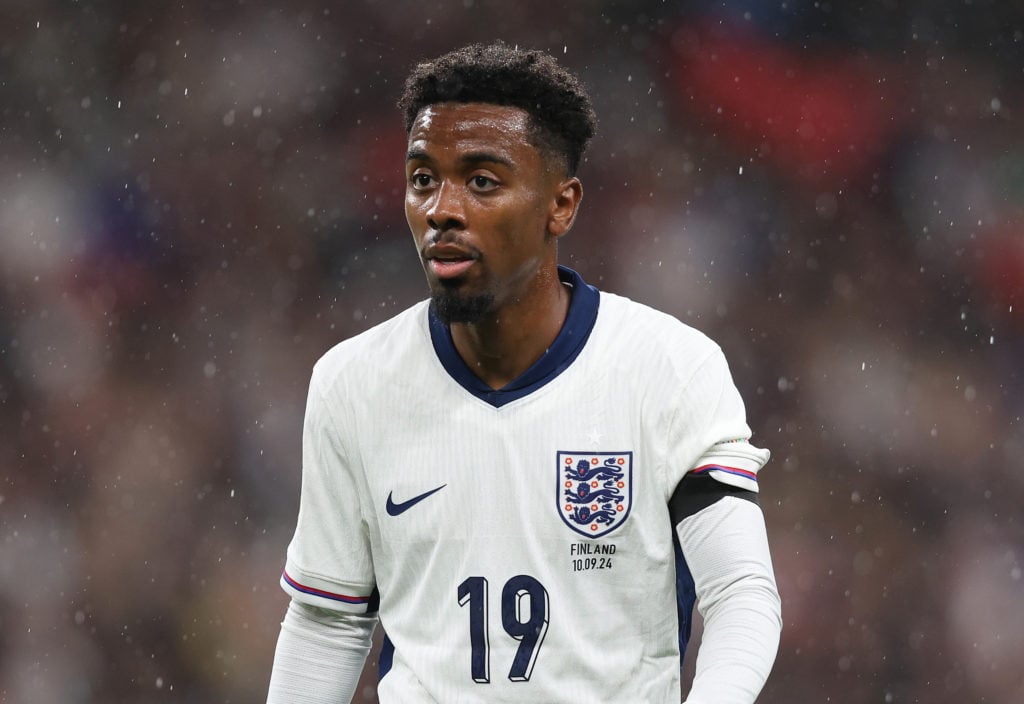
(445, 210)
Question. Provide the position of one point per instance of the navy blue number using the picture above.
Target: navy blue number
(524, 616)
(474, 592)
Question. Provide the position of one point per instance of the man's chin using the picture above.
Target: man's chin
(453, 306)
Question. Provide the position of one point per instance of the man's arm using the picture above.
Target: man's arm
(726, 548)
(320, 655)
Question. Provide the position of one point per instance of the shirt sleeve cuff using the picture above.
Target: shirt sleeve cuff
(326, 594)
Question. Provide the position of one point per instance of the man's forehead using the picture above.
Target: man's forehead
(500, 124)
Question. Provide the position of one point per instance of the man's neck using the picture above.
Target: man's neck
(502, 346)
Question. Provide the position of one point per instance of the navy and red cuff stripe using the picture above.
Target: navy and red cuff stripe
(344, 598)
(746, 474)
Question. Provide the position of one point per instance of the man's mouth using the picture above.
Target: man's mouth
(448, 260)
(449, 268)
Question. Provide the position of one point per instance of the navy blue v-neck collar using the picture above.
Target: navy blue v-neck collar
(567, 346)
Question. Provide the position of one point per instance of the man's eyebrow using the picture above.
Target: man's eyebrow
(470, 158)
(486, 157)
(416, 155)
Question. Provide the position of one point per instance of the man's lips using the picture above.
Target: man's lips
(449, 268)
(447, 261)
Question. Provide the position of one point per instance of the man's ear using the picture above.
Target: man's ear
(564, 206)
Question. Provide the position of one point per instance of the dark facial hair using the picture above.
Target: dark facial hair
(453, 307)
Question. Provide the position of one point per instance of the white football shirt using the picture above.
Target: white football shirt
(518, 544)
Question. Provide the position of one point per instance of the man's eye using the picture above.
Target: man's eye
(421, 180)
(483, 183)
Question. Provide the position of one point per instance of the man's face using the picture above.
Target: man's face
(478, 199)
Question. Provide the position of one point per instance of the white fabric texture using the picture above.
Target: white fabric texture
(726, 548)
(320, 655)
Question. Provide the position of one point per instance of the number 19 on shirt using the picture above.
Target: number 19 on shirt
(524, 616)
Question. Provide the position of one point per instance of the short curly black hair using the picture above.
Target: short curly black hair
(561, 114)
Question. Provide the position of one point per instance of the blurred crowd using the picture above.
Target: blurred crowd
(198, 199)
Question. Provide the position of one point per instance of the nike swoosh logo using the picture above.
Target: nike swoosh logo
(397, 509)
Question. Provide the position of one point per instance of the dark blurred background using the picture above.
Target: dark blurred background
(197, 199)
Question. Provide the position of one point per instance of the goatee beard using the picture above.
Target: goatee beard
(452, 307)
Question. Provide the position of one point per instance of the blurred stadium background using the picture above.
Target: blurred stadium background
(197, 199)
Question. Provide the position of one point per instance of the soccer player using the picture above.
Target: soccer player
(525, 481)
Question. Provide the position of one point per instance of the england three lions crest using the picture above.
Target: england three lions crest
(595, 490)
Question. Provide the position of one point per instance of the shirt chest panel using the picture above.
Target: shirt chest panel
(455, 474)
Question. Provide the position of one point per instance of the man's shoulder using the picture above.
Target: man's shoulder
(651, 331)
(376, 348)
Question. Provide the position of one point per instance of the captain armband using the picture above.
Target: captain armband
(698, 491)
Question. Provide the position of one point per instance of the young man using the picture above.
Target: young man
(526, 481)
